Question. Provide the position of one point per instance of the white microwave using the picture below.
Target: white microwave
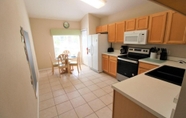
(135, 37)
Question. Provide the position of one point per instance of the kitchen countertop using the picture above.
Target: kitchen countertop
(174, 63)
(154, 95)
(115, 53)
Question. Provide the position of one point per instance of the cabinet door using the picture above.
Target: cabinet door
(125, 108)
(157, 27)
(143, 67)
(104, 28)
(176, 28)
(142, 22)
(130, 24)
(120, 28)
(147, 66)
(112, 32)
(112, 65)
(105, 63)
(142, 70)
(98, 29)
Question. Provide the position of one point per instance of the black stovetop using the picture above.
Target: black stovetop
(133, 56)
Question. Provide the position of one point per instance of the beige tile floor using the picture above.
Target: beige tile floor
(84, 95)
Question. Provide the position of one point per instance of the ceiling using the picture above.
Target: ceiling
(75, 10)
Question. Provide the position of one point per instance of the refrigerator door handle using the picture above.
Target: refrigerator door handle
(92, 49)
(87, 50)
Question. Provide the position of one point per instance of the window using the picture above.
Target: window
(66, 42)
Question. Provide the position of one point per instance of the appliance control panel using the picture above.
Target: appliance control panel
(139, 50)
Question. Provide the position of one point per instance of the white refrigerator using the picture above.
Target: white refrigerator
(97, 44)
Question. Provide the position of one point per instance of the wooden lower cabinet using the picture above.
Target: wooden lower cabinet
(125, 108)
(143, 67)
(109, 64)
(105, 63)
(112, 65)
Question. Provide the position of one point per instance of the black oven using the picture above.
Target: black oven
(127, 65)
(126, 69)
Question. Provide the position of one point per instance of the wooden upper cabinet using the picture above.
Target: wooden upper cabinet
(157, 25)
(142, 22)
(112, 32)
(98, 29)
(130, 24)
(176, 28)
(120, 28)
(102, 29)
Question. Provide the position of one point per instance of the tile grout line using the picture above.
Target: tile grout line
(85, 86)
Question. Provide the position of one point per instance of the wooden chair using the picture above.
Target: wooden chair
(53, 63)
(63, 67)
(76, 63)
(66, 52)
(79, 59)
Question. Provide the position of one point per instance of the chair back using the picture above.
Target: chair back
(79, 58)
(66, 52)
(63, 58)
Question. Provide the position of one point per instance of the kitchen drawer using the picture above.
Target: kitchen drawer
(104, 56)
(147, 66)
(112, 58)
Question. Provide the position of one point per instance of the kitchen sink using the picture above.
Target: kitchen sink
(168, 73)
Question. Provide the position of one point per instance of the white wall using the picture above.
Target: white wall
(83, 40)
(89, 23)
(43, 40)
(84, 23)
(93, 23)
(17, 97)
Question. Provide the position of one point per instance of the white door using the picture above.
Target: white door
(89, 43)
(95, 52)
(84, 47)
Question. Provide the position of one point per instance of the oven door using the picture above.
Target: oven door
(126, 69)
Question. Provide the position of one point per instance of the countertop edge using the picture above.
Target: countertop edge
(149, 62)
(166, 62)
(112, 54)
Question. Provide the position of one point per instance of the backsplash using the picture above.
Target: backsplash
(173, 50)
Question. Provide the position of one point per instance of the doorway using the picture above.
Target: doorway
(84, 47)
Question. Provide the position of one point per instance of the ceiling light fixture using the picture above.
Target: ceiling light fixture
(95, 3)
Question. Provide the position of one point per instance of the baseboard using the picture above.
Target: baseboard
(44, 69)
